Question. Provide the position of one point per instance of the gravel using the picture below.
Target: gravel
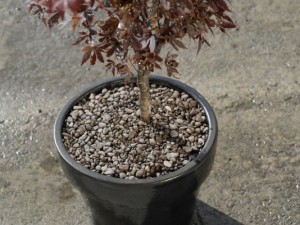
(104, 133)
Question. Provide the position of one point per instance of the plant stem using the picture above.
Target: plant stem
(143, 84)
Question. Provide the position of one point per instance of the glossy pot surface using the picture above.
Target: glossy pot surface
(166, 200)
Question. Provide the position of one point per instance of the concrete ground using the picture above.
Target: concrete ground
(251, 77)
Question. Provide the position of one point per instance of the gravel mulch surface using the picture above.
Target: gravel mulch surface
(104, 132)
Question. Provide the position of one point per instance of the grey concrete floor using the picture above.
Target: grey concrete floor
(251, 78)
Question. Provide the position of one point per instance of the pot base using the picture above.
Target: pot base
(196, 218)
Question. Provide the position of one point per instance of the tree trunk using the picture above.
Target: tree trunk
(143, 84)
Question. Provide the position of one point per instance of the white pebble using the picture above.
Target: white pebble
(200, 141)
(102, 125)
(173, 126)
(122, 175)
(152, 141)
(168, 108)
(98, 168)
(109, 171)
(167, 164)
(172, 155)
(187, 149)
(106, 117)
(180, 121)
(185, 162)
(191, 138)
(127, 110)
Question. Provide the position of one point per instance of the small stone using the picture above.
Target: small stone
(101, 152)
(167, 164)
(173, 126)
(74, 114)
(192, 104)
(152, 141)
(125, 117)
(172, 155)
(77, 153)
(76, 107)
(200, 141)
(105, 131)
(132, 134)
(147, 169)
(187, 149)
(197, 124)
(180, 121)
(168, 108)
(99, 145)
(122, 175)
(106, 117)
(102, 125)
(67, 136)
(158, 139)
(76, 145)
(117, 94)
(140, 147)
(138, 112)
(157, 116)
(191, 138)
(140, 173)
(92, 96)
(104, 90)
(98, 168)
(81, 129)
(185, 162)
(88, 127)
(199, 118)
(173, 133)
(141, 140)
(129, 111)
(205, 130)
(150, 157)
(109, 171)
(124, 167)
(104, 168)
(184, 96)
(151, 135)
(189, 131)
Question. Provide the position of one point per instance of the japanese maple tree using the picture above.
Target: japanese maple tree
(131, 36)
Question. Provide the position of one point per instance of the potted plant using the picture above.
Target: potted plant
(137, 146)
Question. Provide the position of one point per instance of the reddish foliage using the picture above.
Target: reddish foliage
(135, 31)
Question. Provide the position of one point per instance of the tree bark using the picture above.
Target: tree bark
(143, 84)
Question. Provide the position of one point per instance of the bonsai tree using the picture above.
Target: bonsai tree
(130, 38)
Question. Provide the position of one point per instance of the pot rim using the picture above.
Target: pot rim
(183, 171)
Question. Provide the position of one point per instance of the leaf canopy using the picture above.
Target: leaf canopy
(134, 31)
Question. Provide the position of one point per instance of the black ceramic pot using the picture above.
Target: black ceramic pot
(166, 200)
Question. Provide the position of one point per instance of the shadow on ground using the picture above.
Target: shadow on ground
(208, 215)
